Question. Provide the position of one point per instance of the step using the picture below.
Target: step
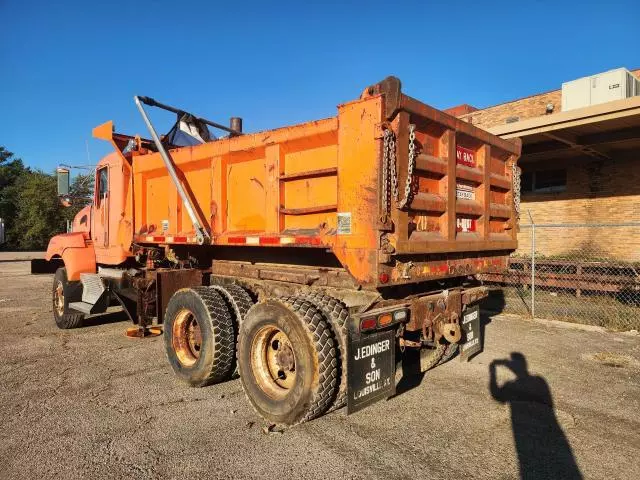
(113, 273)
(83, 307)
(92, 287)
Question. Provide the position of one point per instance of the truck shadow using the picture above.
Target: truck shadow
(412, 374)
(542, 447)
(105, 319)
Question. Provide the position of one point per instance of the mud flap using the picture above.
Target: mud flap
(370, 369)
(471, 333)
(40, 265)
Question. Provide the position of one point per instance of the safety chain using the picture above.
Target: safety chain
(392, 164)
(385, 178)
(516, 171)
(411, 165)
(389, 174)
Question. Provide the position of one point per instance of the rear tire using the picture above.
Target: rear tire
(287, 360)
(336, 312)
(64, 293)
(199, 336)
(238, 302)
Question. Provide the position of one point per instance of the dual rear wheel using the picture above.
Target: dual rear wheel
(199, 336)
(285, 351)
(288, 360)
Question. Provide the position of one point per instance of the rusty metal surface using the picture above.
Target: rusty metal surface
(473, 295)
(390, 88)
(418, 268)
(169, 281)
(395, 101)
(320, 172)
(433, 220)
(146, 298)
(235, 124)
(309, 210)
(415, 107)
(263, 289)
(301, 275)
(432, 313)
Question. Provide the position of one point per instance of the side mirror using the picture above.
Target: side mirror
(63, 181)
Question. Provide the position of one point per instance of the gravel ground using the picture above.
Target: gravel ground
(91, 403)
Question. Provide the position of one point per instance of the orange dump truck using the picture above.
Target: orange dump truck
(309, 260)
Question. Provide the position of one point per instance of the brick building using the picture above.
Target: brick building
(580, 166)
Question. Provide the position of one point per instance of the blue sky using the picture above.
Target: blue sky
(69, 66)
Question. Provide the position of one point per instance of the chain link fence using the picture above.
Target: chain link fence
(585, 273)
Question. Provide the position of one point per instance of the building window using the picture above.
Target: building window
(544, 181)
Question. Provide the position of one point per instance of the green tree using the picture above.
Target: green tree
(81, 194)
(30, 206)
(11, 170)
(39, 213)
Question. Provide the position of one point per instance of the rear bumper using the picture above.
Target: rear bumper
(444, 307)
(429, 310)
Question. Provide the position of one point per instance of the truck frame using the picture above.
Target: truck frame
(308, 259)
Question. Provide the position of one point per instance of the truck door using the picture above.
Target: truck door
(101, 217)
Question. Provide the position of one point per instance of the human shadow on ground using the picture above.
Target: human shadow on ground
(543, 449)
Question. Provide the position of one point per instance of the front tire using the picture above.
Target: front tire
(287, 360)
(64, 293)
(199, 336)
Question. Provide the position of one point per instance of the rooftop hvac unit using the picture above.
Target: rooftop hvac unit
(601, 88)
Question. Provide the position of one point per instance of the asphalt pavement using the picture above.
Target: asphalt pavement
(544, 400)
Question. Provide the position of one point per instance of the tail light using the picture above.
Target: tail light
(384, 319)
(368, 323)
(400, 316)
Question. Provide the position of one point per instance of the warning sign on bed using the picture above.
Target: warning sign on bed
(465, 191)
(466, 224)
(465, 156)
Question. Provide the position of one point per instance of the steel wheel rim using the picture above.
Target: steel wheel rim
(187, 337)
(273, 362)
(58, 299)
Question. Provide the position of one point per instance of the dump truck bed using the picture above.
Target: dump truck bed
(340, 184)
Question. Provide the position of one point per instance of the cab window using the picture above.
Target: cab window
(103, 184)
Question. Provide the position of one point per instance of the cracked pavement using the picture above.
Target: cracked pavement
(92, 403)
